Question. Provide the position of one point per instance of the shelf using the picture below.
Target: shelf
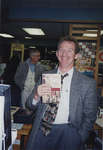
(85, 38)
(100, 86)
(77, 31)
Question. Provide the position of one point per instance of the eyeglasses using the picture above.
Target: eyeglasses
(67, 51)
(35, 55)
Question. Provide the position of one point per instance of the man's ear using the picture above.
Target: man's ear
(77, 56)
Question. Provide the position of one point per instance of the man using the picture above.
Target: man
(28, 73)
(77, 109)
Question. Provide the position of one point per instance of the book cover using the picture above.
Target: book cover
(54, 81)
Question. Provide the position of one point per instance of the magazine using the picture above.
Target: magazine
(54, 80)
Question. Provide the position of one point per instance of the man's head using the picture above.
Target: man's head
(69, 39)
(34, 55)
(67, 52)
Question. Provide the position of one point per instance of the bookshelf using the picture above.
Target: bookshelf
(89, 46)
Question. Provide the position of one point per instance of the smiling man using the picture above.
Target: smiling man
(28, 73)
(76, 112)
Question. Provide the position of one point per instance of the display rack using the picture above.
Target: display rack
(17, 49)
(90, 46)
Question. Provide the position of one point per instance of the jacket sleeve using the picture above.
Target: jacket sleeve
(89, 111)
(19, 76)
(29, 102)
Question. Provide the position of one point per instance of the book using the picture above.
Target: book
(54, 81)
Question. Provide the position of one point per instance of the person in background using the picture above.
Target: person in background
(10, 70)
(77, 109)
(2, 68)
(8, 78)
(28, 73)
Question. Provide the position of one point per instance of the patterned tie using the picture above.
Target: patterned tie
(50, 114)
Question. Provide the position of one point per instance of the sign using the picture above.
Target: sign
(101, 56)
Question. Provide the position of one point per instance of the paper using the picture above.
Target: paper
(5, 93)
(54, 81)
(1, 121)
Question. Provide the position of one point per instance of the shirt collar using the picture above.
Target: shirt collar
(70, 72)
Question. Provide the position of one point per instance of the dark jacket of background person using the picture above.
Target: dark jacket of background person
(10, 70)
(22, 72)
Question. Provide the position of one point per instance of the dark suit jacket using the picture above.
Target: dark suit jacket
(82, 107)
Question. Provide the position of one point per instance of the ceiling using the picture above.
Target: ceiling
(53, 16)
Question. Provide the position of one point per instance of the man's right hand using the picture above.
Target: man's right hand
(44, 90)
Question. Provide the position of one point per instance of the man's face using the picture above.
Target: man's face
(35, 57)
(66, 54)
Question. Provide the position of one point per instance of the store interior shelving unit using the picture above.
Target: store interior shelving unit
(77, 31)
(17, 49)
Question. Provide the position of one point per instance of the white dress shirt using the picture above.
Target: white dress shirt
(63, 109)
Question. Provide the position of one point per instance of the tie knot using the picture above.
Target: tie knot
(63, 76)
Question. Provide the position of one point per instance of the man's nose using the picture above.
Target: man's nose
(64, 53)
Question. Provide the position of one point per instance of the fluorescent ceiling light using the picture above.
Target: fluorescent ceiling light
(27, 37)
(101, 32)
(92, 30)
(34, 31)
(97, 31)
(90, 35)
(32, 47)
(6, 35)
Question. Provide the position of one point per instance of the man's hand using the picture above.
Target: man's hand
(44, 91)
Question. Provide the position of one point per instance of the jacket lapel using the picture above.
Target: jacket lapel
(74, 94)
